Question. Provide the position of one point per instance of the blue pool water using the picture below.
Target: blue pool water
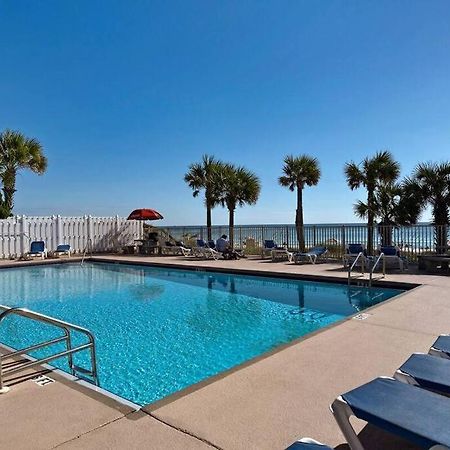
(160, 330)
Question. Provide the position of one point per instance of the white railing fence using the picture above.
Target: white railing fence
(105, 233)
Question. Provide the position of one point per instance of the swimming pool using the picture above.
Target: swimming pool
(160, 330)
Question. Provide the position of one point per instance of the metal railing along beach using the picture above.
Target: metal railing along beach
(412, 240)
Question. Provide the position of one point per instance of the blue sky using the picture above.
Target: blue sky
(125, 95)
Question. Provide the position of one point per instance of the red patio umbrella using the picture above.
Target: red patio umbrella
(145, 214)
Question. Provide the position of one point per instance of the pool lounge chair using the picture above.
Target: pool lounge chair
(427, 372)
(308, 444)
(352, 251)
(37, 248)
(63, 249)
(418, 415)
(441, 346)
(281, 254)
(312, 255)
(269, 245)
(392, 257)
(204, 251)
(175, 249)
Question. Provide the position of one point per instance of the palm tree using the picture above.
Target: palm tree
(17, 152)
(300, 171)
(430, 185)
(391, 207)
(205, 176)
(381, 168)
(239, 186)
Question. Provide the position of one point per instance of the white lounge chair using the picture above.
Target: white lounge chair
(392, 257)
(441, 346)
(281, 254)
(203, 251)
(352, 251)
(63, 249)
(312, 255)
(37, 248)
(268, 247)
(427, 372)
(178, 249)
(418, 415)
(308, 444)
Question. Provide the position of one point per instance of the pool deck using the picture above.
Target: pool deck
(265, 404)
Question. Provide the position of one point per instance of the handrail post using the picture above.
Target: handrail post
(70, 350)
(69, 347)
(3, 389)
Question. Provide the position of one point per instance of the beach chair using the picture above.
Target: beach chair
(441, 346)
(418, 415)
(312, 255)
(268, 247)
(63, 249)
(177, 249)
(281, 254)
(392, 257)
(352, 251)
(427, 372)
(37, 248)
(308, 444)
(203, 251)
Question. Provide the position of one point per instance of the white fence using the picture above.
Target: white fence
(105, 233)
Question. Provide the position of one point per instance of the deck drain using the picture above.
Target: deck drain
(362, 316)
(42, 380)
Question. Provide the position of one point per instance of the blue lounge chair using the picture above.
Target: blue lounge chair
(308, 444)
(269, 245)
(417, 415)
(204, 251)
(37, 248)
(392, 257)
(178, 248)
(352, 251)
(441, 346)
(63, 249)
(427, 372)
(311, 255)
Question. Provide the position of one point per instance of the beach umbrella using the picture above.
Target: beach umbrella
(145, 214)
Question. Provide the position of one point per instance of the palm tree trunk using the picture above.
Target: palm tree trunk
(9, 188)
(231, 226)
(299, 219)
(370, 220)
(440, 216)
(385, 229)
(208, 221)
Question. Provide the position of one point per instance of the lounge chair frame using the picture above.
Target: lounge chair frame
(279, 254)
(67, 252)
(42, 254)
(175, 250)
(312, 257)
(437, 352)
(342, 413)
(205, 253)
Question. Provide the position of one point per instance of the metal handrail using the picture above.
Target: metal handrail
(380, 257)
(86, 247)
(67, 328)
(350, 268)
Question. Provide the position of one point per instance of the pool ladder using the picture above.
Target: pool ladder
(87, 247)
(68, 328)
(361, 257)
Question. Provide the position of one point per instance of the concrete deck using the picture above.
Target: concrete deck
(266, 404)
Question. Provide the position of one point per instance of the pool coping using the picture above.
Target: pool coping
(266, 274)
(81, 384)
